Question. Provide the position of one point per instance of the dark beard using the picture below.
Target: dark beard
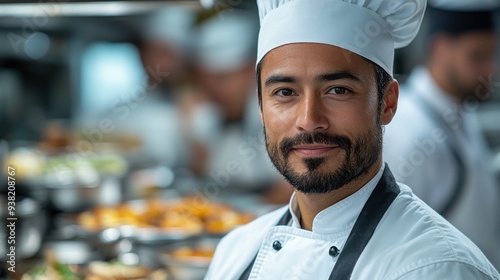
(359, 157)
(464, 90)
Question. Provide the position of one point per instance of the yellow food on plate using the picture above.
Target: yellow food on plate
(178, 221)
(226, 221)
(186, 253)
(116, 270)
(191, 214)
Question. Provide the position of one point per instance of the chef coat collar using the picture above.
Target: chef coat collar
(341, 216)
(421, 79)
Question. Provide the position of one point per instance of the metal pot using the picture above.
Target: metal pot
(72, 251)
(78, 196)
(28, 231)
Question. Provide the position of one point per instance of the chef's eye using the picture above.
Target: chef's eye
(284, 92)
(338, 90)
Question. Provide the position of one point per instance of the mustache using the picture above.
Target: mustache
(286, 146)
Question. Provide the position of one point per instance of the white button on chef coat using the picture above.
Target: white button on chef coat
(425, 162)
(410, 242)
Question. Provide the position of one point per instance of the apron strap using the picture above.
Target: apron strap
(381, 198)
(379, 201)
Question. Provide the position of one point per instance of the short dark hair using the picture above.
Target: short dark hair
(383, 80)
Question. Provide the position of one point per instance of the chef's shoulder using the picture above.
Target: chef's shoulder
(238, 248)
(414, 242)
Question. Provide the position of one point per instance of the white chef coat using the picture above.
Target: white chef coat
(411, 242)
(157, 123)
(417, 146)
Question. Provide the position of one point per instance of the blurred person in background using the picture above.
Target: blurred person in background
(435, 142)
(223, 120)
(325, 96)
(164, 51)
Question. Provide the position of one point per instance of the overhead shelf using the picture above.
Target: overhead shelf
(85, 8)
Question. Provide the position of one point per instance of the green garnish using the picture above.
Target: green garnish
(38, 270)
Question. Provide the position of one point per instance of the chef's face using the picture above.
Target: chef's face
(470, 60)
(229, 90)
(159, 57)
(321, 114)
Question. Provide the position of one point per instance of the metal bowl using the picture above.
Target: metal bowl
(74, 196)
(29, 227)
(72, 251)
(188, 268)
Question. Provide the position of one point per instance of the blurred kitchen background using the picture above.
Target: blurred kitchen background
(114, 113)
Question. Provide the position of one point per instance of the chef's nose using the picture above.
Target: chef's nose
(311, 113)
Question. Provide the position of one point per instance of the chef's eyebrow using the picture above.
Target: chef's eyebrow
(341, 75)
(276, 79)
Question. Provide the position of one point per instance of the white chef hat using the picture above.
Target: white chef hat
(171, 26)
(369, 28)
(227, 41)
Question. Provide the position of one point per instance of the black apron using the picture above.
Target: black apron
(379, 201)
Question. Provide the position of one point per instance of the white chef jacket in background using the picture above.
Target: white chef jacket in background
(417, 148)
(241, 143)
(411, 242)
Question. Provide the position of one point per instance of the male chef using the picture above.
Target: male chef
(435, 143)
(325, 89)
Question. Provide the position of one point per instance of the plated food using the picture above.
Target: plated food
(120, 271)
(191, 215)
(190, 259)
(194, 255)
(52, 269)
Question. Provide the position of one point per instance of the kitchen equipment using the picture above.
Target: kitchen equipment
(72, 251)
(76, 184)
(189, 260)
(74, 197)
(29, 227)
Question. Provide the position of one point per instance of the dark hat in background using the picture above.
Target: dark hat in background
(455, 17)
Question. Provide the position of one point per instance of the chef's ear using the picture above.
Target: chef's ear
(260, 106)
(389, 102)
